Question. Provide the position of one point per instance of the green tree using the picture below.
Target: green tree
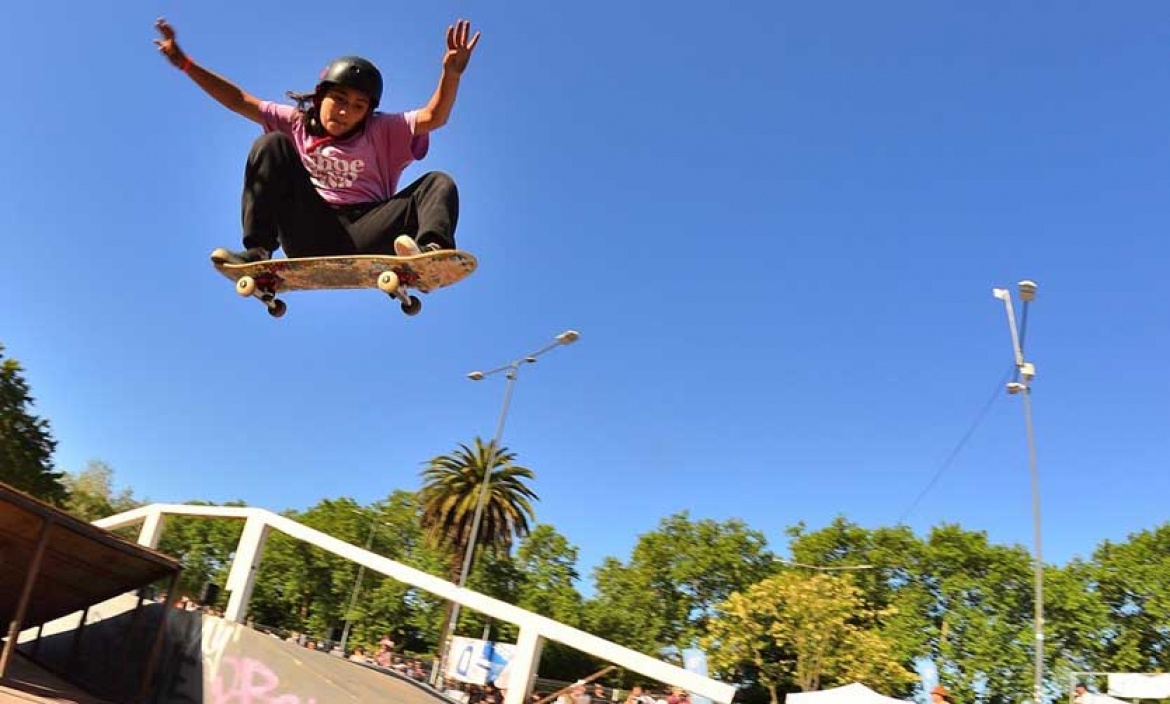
(626, 609)
(451, 488)
(497, 575)
(662, 599)
(1133, 581)
(547, 563)
(306, 589)
(897, 563)
(893, 552)
(807, 631)
(385, 605)
(91, 493)
(26, 441)
(980, 618)
(964, 602)
(205, 547)
(548, 567)
(423, 611)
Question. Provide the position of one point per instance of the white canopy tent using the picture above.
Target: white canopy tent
(855, 693)
(1139, 685)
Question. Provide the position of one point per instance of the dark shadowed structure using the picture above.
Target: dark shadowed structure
(53, 564)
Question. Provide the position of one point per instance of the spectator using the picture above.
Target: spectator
(638, 696)
(1082, 695)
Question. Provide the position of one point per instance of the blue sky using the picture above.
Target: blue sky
(776, 225)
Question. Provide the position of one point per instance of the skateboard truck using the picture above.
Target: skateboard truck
(389, 284)
(263, 288)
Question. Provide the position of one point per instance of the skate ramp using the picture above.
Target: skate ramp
(206, 659)
(71, 564)
(250, 663)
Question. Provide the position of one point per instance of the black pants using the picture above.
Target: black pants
(281, 208)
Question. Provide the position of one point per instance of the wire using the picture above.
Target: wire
(960, 445)
(824, 568)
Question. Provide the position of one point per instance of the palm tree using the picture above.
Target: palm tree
(451, 488)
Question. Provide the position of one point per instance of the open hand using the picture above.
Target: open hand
(167, 45)
(459, 47)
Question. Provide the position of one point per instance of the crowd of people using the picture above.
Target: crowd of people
(384, 658)
(578, 693)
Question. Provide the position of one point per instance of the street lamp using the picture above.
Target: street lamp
(357, 584)
(1021, 385)
(510, 370)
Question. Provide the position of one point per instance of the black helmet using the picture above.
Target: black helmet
(354, 72)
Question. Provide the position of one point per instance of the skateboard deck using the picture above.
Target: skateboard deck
(395, 276)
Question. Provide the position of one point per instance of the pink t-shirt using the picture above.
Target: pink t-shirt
(362, 169)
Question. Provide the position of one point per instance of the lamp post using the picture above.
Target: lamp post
(510, 371)
(1021, 384)
(357, 584)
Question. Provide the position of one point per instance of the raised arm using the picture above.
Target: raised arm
(437, 111)
(224, 91)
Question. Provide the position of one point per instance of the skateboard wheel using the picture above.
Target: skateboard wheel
(246, 286)
(277, 308)
(388, 281)
(412, 306)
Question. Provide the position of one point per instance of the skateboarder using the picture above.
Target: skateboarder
(323, 179)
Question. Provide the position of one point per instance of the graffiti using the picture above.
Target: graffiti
(248, 681)
(217, 634)
(238, 680)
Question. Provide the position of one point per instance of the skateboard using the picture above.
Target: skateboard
(395, 276)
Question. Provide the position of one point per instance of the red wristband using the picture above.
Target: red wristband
(186, 64)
